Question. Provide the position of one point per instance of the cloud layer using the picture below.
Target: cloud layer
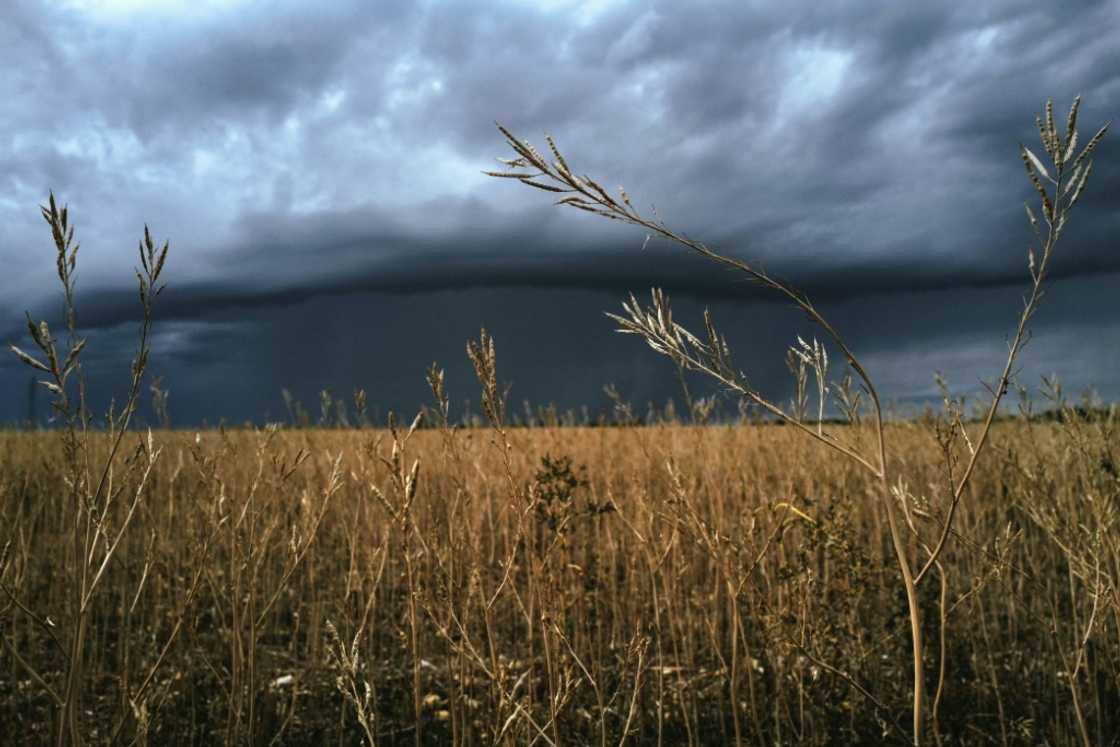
(295, 152)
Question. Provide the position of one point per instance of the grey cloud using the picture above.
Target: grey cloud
(296, 153)
(523, 256)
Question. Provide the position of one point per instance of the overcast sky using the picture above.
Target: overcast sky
(317, 170)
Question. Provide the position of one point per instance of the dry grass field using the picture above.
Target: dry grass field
(676, 584)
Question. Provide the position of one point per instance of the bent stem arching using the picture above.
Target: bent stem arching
(711, 355)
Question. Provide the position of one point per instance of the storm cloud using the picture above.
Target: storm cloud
(318, 171)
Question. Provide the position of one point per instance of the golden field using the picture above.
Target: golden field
(668, 584)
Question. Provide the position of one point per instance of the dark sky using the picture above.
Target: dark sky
(317, 169)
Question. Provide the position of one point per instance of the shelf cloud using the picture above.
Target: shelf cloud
(318, 171)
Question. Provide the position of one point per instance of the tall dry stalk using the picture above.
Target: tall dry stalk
(96, 486)
(710, 353)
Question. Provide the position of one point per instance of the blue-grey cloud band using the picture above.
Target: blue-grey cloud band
(296, 154)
